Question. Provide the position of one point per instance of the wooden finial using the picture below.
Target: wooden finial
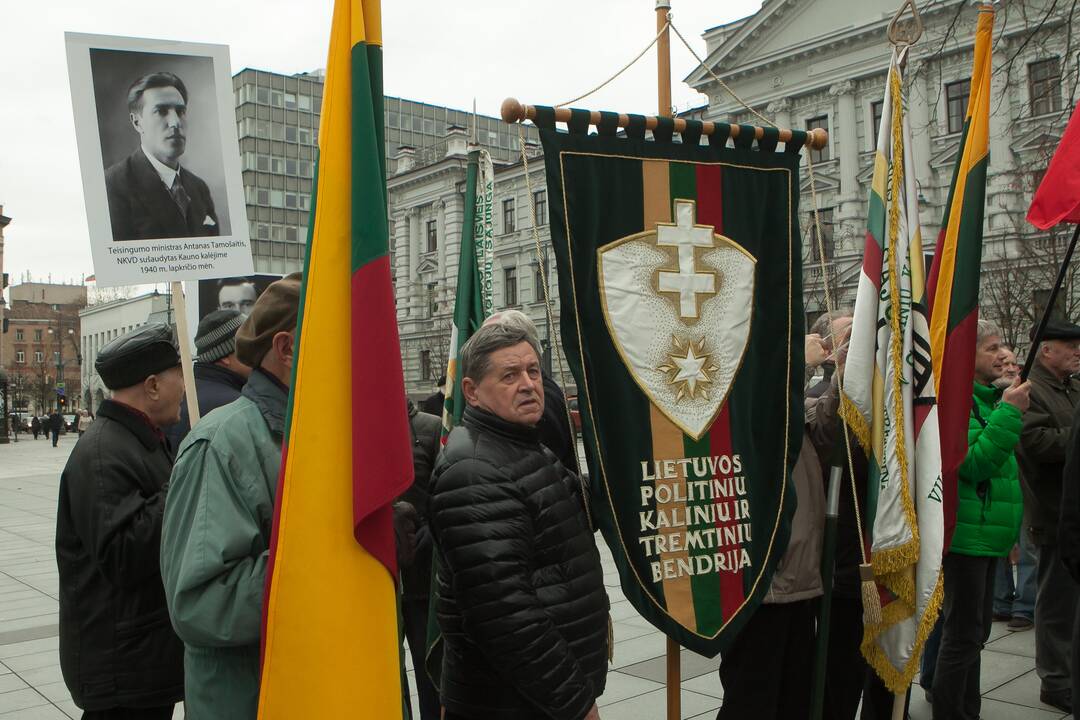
(512, 111)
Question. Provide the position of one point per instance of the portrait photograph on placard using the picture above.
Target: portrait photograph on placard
(232, 293)
(158, 150)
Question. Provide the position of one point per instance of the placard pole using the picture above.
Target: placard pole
(180, 307)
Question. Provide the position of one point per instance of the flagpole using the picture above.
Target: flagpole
(1037, 338)
(663, 109)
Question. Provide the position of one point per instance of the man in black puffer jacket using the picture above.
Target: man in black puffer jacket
(522, 606)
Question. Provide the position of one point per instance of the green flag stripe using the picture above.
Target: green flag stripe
(965, 292)
(369, 226)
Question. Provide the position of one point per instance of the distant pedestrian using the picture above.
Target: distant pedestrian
(35, 426)
(219, 375)
(119, 656)
(1055, 394)
(84, 421)
(56, 424)
(215, 540)
(989, 510)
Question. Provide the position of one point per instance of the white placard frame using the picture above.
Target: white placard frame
(128, 262)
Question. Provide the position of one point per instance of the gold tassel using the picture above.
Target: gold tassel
(610, 640)
(871, 600)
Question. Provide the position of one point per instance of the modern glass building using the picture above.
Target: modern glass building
(277, 120)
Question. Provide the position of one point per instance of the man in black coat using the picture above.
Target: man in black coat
(1068, 537)
(150, 196)
(219, 374)
(56, 424)
(118, 653)
(416, 577)
(522, 605)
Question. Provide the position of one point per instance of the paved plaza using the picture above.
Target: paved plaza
(31, 687)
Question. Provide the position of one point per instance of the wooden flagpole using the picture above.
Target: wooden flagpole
(663, 109)
(180, 307)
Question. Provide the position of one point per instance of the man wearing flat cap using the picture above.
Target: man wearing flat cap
(216, 534)
(219, 375)
(119, 656)
(1044, 440)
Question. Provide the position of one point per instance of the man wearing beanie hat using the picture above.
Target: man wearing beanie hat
(118, 654)
(216, 535)
(219, 375)
(1044, 440)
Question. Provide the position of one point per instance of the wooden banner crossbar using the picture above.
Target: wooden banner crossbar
(513, 112)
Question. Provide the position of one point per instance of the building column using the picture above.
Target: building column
(401, 263)
(1002, 196)
(847, 144)
(779, 111)
(440, 229)
(919, 122)
(414, 259)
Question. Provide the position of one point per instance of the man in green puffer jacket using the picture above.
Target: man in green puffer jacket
(988, 518)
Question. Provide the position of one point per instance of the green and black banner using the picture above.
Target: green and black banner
(682, 319)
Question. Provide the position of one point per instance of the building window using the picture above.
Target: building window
(305, 136)
(277, 198)
(508, 215)
(19, 335)
(277, 232)
(876, 109)
(826, 218)
(822, 121)
(39, 357)
(956, 102)
(433, 306)
(56, 357)
(290, 167)
(275, 99)
(290, 234)
(37, 335)
(425, 364)
(432, 236)
(304, 102)
(262, 231)
(290, 134)
(262, 95)
(290, 101)
(290, 200)
(538, 285)
(540, 207)
(262, 197)
(510, 287)
(20, 356)
(1044, 86)
(305, 168)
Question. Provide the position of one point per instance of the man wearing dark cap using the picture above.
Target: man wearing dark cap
(119, 656)
(219, 375)
(1044, 441)
(216, 533)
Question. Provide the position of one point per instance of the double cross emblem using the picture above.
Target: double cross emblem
(686, 285)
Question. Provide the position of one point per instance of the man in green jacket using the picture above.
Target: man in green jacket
(215, 538)
(988, 518)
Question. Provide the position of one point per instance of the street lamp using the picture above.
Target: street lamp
(61, 385)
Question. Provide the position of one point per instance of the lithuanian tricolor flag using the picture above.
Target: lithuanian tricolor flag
(954, 274)
(888, 401)
(330, 640)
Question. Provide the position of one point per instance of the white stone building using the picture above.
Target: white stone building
(804, 63)
(104, 322)
(823, 63)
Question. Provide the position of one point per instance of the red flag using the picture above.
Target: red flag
(1058, 198)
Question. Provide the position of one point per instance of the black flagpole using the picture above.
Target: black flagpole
(1037, 338)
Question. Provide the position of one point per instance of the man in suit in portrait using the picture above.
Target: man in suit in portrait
(150, 195)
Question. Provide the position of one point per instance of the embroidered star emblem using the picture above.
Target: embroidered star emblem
(689, 368)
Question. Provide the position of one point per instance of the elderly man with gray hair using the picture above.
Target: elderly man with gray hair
(989, 510)
(522, 605)
(554, 425)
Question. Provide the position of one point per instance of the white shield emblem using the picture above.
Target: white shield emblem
(678, 302)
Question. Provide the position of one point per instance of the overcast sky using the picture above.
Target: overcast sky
(442, 53)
